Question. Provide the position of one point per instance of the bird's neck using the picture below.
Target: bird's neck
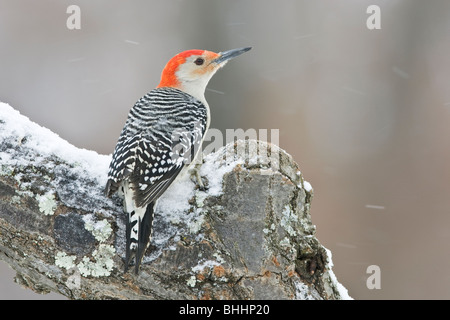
(194, 89)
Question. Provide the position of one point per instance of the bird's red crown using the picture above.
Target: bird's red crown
(169, 77)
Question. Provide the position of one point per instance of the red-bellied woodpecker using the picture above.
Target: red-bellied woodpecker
(164, 128)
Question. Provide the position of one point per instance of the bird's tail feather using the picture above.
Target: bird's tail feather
(138, 232)
(145, 231)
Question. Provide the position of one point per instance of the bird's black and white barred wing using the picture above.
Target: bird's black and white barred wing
(163, 132)
(155, 169)
(123, 161)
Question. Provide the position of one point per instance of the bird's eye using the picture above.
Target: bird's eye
(199, 61)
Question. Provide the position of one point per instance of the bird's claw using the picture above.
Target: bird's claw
(201, 182)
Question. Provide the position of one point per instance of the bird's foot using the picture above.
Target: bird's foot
(201, 182)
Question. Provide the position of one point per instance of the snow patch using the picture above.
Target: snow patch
(307, 186)
(214, 168)
(209, 264)
(343, 292)
(45, 143)
(26, 146)
(303, 292)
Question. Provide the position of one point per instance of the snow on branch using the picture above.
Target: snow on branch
(249, 236)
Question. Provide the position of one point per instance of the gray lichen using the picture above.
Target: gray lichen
(101, 230)
(47, 203)
(100, 265)
(65, 261)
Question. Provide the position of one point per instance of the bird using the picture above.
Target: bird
(161, 138)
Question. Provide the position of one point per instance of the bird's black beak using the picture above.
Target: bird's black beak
(230, 54)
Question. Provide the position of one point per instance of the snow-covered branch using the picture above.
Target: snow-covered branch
(249, 236)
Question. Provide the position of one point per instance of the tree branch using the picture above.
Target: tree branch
(249, 236)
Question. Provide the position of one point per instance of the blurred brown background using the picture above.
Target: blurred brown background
(365, 113)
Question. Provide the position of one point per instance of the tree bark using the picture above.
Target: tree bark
(249, 236)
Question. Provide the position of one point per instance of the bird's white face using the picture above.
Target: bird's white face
(194, 74)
